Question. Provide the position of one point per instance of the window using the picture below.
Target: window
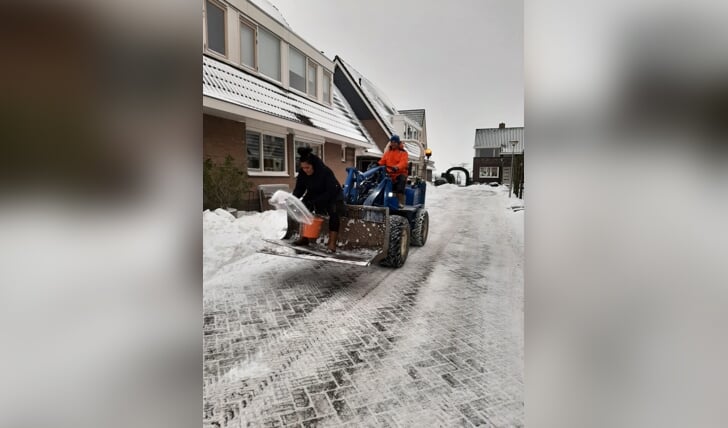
(349, 155)
(486, 153)
(215, 27)
(296, 69)
(302, 72)
(318, 150)
(247, 44)
(488, 172)
(265, 150)
(327, 87)
(269, 54)
(312, 70)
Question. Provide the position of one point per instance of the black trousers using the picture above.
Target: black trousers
(399, 183)
(335, 210)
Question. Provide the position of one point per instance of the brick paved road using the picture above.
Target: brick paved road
(438, 342)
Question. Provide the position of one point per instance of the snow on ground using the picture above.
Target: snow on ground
(227, 239)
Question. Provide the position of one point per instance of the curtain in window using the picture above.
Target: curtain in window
(269, 52)
(274, 153)
(247, 45)
(252, 141)
(327, 87)
(297, 69)
(312, 70)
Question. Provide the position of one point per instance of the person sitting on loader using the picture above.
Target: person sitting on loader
(321, 193)
(395, 158)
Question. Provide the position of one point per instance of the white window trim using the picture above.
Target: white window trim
(305, 64)
(310, 142)
(281, 53)
(310, 62)
(254, 27)
(224, 29)
(261, 172)
(324, 73)
(480, 172)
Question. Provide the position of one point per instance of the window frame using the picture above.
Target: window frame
(292, 48)
(253, 26)
(481, 175)
(303, 142)
(224, 9)
(309, 63)
(326, 74)
(280, 54)
(260, 172)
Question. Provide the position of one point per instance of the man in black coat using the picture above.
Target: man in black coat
(321, 193)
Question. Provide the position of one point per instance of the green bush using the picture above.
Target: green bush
(224, 186)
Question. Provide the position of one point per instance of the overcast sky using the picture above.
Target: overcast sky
(462, 61)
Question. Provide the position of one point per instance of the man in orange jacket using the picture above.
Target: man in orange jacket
(395, 158)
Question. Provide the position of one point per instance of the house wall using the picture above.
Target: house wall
(499, 162)
(381, 139)
(222, 137)
(332, 154)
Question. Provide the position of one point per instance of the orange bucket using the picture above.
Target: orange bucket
(312, 230)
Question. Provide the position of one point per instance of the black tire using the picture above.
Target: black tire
(421, 228)
(399, 241)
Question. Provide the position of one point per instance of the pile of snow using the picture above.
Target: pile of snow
(226, 238)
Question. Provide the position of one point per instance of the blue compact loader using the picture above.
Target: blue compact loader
(375, 228)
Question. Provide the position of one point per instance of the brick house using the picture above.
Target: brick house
(267, 91)
(493, 150)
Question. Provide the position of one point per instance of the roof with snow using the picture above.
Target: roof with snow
(494, 137)
(418, 116)
(272, 11)
(227, 83)
(377, 99)
(380, 106)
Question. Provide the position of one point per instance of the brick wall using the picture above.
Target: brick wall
(222, 137)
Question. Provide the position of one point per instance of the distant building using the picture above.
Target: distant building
(493, 151)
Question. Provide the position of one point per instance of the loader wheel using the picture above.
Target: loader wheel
(399, 240)
(421, 228)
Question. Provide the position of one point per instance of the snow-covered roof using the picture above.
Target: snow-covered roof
(381, 104)
(227, 83)
(418, 116)
(272, 11)
(494, 137)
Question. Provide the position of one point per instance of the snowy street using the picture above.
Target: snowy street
(438, 342)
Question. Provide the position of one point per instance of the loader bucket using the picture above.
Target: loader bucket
(363, 238)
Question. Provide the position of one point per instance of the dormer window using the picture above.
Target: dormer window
(296, 69)
(269, 54)
(247, 44)
(312, 78)
(302, 72)
(326, 83)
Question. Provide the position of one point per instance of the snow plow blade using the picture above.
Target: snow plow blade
(362, 240)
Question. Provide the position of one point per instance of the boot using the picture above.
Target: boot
(400, 197)
(301, 241)
(331, 247)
